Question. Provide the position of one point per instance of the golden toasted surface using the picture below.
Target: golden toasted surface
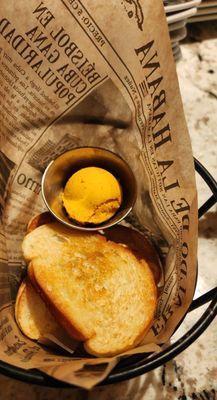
(139, 244)
(97, 290)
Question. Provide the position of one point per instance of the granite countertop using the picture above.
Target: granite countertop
(192, 374)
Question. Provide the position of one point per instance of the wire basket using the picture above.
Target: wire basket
(136, 365)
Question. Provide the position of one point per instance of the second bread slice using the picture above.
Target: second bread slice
(32, 315)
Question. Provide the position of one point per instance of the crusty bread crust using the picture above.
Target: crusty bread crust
(38, 220)
(141, 334)
(31, 314)
(136, 251)
(58, 315)
(139, 244)
(90, 350)
(18, 311)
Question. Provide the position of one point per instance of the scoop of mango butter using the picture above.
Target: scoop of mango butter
(92, 195)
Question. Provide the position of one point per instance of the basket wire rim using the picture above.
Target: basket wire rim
(146, 364)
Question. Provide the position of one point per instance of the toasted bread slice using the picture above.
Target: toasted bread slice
(138, 243)
(32, 315)
(96, 289)
(38, 220)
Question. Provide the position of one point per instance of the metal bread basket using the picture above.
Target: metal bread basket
(133, 366)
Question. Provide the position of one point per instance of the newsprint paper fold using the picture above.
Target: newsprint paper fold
(93, 73)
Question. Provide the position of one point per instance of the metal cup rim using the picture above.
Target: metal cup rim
(104, 225)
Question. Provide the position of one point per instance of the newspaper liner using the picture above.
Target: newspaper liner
(93, 73)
